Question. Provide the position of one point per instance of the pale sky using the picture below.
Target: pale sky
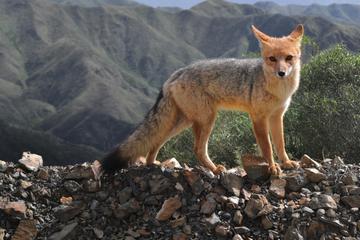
(189, 3)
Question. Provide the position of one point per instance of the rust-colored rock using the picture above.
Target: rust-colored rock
(26, 230)
(256, 167)
(169, 206)
(277, 187)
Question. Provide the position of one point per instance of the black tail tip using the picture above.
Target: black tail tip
(114, 162)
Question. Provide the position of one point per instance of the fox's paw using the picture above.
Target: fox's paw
(219, 169)
(290, 164)
(275, 169)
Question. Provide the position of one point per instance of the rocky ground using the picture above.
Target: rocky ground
(320, 200)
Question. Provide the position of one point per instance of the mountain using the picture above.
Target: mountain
(88, 74)
(344, 13)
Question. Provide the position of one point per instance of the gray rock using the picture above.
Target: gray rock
(65, 232)
(257, 206)
(295, 181)
(322, 201)
(72, 186)
(352, 201)
(3, 167)
(293, 233)
(124, 195)
(159, 184)
(238, 217)
(314, 175)
(232, 180)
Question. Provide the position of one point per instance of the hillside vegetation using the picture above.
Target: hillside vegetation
(88, 73)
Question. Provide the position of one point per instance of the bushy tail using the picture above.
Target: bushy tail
(147, 135)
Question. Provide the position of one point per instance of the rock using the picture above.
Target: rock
(26, 230)
(179, 187)
(91, 185)
(64, 233)
(293, 233)
(322, 201)
(195, 181)
(349, 179)
(208, 206)
(320, 212)
(168, 208)
(256, 167)
(3, 167)
(15, 209)
(187, 229)
(315, 230)
(133, 233)
(31, 162)
(233, 202)
(295, 181)
(179, 236)
(237, 237)
(178, 222)
(330, 213)
(337, 162)
(354, 191)
(277, 187)
(222, 230)
(124, 210)
(352, 201)
(43, 174)
(67, 212)
(80, 172)
(124, 195)
(266, 223)
(314, 175)
(232, 180)
(72, 186)
(25, 184)
(213, 219)
(158, 184)
(238, 217)
(2, 234)
(66, 200)
(308, 162)
(257, 206)
(307, 210)
(98, 233)
(171, 164)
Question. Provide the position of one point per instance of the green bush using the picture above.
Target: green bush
(322, 121)
(324, 118)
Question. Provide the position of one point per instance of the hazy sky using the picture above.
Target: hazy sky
(189, 3)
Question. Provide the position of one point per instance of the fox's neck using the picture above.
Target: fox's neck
(283, 88)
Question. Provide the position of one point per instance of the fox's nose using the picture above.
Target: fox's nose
(281, 73)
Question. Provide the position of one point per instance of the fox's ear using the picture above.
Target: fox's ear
(297, 33)
(262, 37)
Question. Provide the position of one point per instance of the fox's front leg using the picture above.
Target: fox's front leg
(277, 134)
(261, 130)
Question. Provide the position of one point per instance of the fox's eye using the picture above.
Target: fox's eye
(272, 58)
(289, 58)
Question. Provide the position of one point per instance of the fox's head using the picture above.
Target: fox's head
(281, 55)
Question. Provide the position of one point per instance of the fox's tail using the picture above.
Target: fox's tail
(146, 136)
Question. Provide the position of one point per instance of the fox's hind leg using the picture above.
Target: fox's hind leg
(178, 127)
(202, 131)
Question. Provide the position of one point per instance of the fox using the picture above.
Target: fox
(192, 96)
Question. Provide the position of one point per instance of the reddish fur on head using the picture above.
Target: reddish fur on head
(280, 54)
